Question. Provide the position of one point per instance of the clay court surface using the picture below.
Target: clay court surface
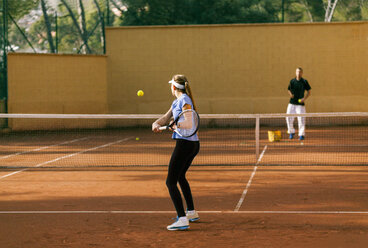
(77, 194)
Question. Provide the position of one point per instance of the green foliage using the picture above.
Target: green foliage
(149, 12)
(304, 11)
(69, 39)
(164, 12)
(317, 9)
(351, 10)
(174, 12)
(37, 34)
(239, 11)
(19, 8)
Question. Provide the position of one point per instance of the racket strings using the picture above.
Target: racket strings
(188, 123)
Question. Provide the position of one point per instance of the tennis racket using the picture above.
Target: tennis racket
(186, 124)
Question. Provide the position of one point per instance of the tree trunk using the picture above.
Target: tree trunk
(48, 27)
(101, 20)
(307, 9)
(330, 10)
(76, 25)
(82, 25)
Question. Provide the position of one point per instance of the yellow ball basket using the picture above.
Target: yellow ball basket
(274, 136)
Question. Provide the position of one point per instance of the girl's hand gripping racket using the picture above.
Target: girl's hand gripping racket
(186, 124)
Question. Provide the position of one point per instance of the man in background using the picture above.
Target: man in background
(296, 90)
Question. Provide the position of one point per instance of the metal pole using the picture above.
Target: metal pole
(107, 13)
(4, 64)
(5, 50)
(103, 34)
(22, 32)
(56, 33)
(257, 138)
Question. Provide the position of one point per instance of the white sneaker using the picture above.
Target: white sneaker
(192, 215)
(181, 223)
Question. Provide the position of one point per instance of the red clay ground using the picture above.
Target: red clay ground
(287, 189)
(313, 192)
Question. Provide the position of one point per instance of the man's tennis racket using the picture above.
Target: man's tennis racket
(186, 124)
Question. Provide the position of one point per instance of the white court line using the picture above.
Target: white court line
(297, 143)
(42, 148)
(67, 156)
(240, 202)
(302, 212)
(260, 157)
(173, 212)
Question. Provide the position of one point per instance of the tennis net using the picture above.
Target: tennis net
(74, 141)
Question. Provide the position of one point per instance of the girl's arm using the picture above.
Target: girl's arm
(162, 121)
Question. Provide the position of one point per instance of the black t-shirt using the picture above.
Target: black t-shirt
(297, 88)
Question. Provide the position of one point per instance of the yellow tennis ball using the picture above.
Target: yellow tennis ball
(137, 138)
(140, 93)
(300, 100)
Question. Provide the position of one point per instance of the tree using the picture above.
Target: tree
(16, 10)
(101, 18)
(304, 10)
(75, 32)
(149, 12)
(80, 26)
(20, 8)
(330, 9)
(80, 29)
(352, 10)
(48, 26)
(174, 12)
(314, 9)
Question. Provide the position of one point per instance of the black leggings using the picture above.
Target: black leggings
(181, 159)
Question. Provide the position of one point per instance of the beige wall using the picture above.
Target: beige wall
(231, 68)
(57, 84)
(238, 68)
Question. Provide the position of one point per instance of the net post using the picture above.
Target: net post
(257, 137)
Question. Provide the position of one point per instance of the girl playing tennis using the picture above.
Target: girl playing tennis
(185, 150)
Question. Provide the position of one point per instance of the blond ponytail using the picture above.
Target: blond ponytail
(189, 93)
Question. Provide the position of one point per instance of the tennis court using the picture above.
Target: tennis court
(106, 187)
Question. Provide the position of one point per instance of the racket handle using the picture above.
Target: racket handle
(163, 128)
